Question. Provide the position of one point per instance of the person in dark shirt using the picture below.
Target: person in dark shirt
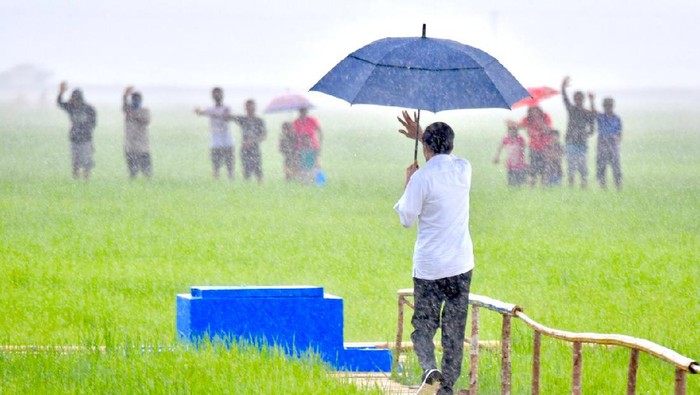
(609, 137)
(83, 121)
(253, 133)
(579, 129)
(288, 149)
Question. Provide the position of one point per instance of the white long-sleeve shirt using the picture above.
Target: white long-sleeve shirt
(221, 136)
(437, 196)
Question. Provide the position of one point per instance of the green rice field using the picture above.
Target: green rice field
(100, 263)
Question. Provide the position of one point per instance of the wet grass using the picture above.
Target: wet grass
(179, 369)
(102, 262)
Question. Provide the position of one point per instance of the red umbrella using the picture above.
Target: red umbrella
(288, 102)
(538, 94)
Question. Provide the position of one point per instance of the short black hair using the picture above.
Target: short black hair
(439, 137)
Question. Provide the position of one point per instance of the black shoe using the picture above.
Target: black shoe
(431, 382)
(445, 391)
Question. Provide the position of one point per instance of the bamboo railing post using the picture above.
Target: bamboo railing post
(505, 359)
(578, 362)
(474, 353)
(632, 372)
(399, 334)
(537, 340)
(680, 382)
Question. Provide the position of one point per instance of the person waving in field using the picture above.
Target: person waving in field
(437, 197)
(136, 145)
(83, 119)
(579, 128)
(253, 133)
(221, 139)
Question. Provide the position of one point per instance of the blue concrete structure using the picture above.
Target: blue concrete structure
(296, 319)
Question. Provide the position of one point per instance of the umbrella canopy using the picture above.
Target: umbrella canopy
(537, 94)
(422, 73)
(289, 102)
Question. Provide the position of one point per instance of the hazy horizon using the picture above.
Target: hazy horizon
(616, 44)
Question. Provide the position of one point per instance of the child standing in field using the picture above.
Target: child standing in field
(553, 155)
(537, 123)
(514, 145)
(221, 139)
(288, 149)
(308, 139)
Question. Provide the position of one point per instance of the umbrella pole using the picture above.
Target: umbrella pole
(415, 149)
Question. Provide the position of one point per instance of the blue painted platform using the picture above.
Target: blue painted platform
(294, 318)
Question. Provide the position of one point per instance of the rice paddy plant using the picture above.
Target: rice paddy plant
(101, 263)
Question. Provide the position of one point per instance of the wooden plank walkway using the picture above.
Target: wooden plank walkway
(381, 381)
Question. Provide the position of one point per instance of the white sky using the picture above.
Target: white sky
(292, 44)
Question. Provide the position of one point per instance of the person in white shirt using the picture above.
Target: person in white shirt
(437, 197)
(221, 139)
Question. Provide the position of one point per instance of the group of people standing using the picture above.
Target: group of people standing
(300, 141)
(546, 151)
(84, 120)
(300, 144)
(253, 132)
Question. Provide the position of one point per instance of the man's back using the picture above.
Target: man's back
(136, 130)
(438, 197)
(83, 120)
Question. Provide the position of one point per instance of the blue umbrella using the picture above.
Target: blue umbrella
(422, 73)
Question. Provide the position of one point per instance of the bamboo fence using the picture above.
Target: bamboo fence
(683, 365)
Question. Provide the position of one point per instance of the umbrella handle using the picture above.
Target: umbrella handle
(415, 149)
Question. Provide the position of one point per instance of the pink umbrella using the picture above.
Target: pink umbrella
(537, 95)
(288, 102)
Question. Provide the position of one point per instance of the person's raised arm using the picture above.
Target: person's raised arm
(62, 88)
(497, 158)
(125, 98)
(565, 84)
(212, 113)
(263, 135)
(409, 172)
(412, 129)
(235, 118)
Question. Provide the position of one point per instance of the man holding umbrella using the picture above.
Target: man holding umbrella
(435, 75)
(437, 196)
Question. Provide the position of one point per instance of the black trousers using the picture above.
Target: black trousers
(443, 304)
(138, 161)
